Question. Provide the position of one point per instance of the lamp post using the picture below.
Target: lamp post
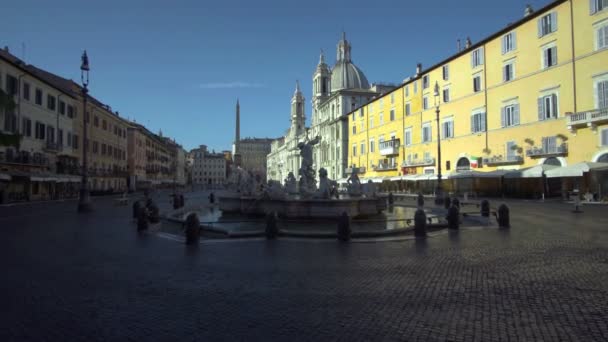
(84, 202)
(439, 190)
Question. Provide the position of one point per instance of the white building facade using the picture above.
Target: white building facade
(335, 93)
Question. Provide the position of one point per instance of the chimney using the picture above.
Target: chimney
(529, 10)
(6, 48)
(468, 43)
(418, 68)
(458, 45)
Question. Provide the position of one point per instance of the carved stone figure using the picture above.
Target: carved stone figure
(291, 184)
(325, 187)
(354, 184)
(307, 184)
(274, 190)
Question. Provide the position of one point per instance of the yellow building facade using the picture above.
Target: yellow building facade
(533, 93)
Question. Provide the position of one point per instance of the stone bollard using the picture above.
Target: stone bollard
(577, 204)
(447, 202)
(391, 199)
(420, 223)
(193, 229)
(344, 227)
(272, 230)
(175, 201)
(153, 212)
(453, 217)
(142, 219)
(485, 208)
(136, 207)
(420, 200)
(503, 216)
(211, 198)
(456, 203)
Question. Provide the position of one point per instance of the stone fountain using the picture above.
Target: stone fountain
(302, 198)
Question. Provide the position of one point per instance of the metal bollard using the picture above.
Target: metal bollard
(181, 201)
(175, 201)
(344, 227)
(391, 199)
(420, 223)
(142, 219)
(485, 208)
(420, 200)
(447, 202)
(211, 198)
(136, 207)
(503, 216)
(453, 218)
(272, 230)
(456, 203)
(193, 229)
(153, 212)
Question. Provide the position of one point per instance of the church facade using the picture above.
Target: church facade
(336, 92)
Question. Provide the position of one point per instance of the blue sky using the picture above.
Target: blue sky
(180, 65)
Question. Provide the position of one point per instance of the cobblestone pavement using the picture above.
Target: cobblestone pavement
(92, 277)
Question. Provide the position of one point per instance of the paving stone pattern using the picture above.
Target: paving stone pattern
(92, 277)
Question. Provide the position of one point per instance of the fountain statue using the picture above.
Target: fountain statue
(354, 184)
(311, 203)
(369, 189)
(327, 188)
(307, 184)
(290, 184)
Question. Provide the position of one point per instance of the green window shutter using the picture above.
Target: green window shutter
(516, 114)
(503, 114)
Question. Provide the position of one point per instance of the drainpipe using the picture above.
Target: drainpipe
(573, 54)
(57, 132)
(19, 106)
(485, 92)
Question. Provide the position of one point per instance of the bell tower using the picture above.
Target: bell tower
(298, 116)
(321, 85)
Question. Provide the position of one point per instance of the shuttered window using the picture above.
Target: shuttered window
(478, 122)
(477, 58)
(509, 42)
(509, 115)
(547, 24)
(426, 133)
(508, 72)
(549, 56)
(602, 95)
(547, 107)
(605, 137)
(511, 153)
(597, 5)
(446, 72)
(601, 34)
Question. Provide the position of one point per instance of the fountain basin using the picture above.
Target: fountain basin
(303, 208)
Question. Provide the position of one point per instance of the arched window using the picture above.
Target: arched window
(463, 164)
(552, 161)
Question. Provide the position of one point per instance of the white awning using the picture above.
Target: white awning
(530, 172)
(575, 170)
(477, 174)
(4, 176)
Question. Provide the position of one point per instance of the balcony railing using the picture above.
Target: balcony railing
(501, 160)
(548, 151)
(589, 118)
(389, 147)
(385, 167)
(418, 162)
(52, 146)
(360, 170)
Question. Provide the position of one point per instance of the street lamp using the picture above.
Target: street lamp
(84, 202)
(439, 190)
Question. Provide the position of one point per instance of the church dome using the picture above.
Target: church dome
(345, 74)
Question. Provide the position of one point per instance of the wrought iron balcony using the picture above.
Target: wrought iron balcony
(385, 167)
(501, 160)
(418, 162)
(590, 119)
(389, 147)
(548, 151)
